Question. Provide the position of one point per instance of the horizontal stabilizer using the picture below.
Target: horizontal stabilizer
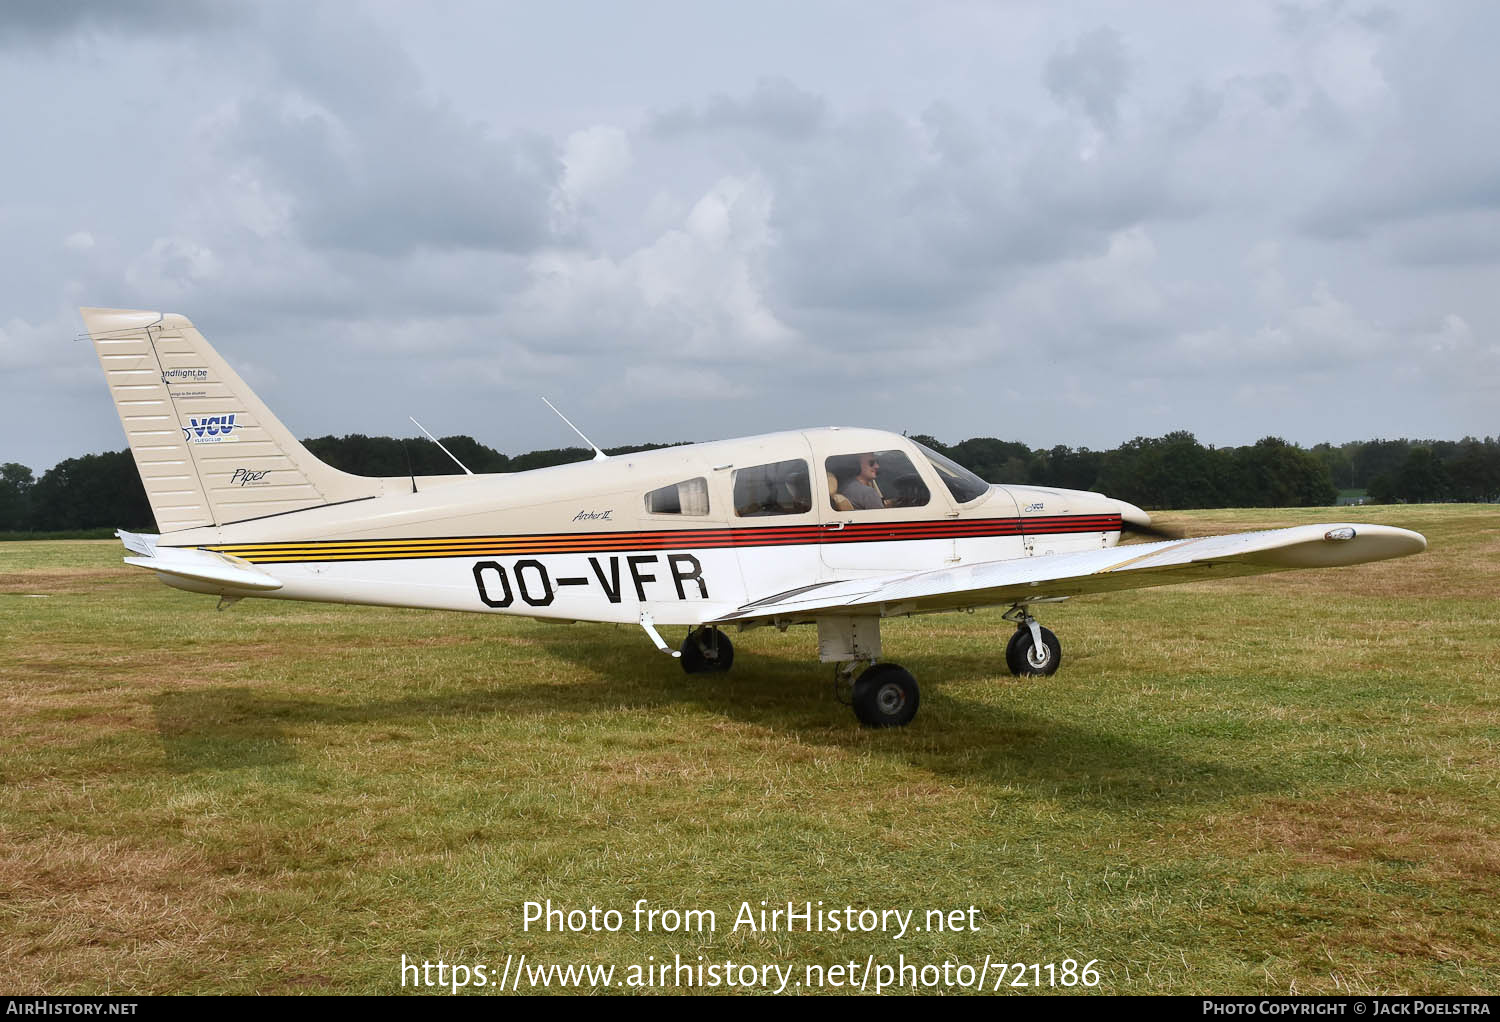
(137, 543)
(197, 565)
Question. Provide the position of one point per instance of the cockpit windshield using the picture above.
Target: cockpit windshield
(963, 484)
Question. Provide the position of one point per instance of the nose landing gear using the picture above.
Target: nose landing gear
(1033, 651)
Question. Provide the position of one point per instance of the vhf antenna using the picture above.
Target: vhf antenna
(598, 454)
(441, 448)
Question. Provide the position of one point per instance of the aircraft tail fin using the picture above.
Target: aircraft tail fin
(209, 452)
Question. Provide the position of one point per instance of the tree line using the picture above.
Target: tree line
(1176, 471)
(1157, 473)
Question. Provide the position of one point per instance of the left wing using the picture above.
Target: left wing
(1058, 576)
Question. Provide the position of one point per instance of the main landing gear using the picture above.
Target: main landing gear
(1033, 651)
(884, 694)
(707, 651)
(881, 694)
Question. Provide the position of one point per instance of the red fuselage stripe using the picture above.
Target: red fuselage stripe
(675, 539)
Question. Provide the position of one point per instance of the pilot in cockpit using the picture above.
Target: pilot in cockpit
(861, 490)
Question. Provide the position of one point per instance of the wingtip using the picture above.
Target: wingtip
(1418, 541)
(1378, 542)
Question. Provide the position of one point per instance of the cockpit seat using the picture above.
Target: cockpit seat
(840, 502)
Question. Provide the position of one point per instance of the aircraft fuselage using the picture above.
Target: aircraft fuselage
(599, 541)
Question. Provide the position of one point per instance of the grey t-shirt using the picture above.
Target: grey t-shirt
(863, 496)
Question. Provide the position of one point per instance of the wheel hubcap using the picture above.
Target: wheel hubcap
(890, 699)
(1038, 656)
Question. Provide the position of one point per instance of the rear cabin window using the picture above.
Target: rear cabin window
(780, 488)
(689, 497)
(871, 480)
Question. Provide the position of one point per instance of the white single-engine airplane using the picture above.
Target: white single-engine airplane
(835, 527)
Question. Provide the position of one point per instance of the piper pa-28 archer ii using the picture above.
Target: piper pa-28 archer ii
(836, 527)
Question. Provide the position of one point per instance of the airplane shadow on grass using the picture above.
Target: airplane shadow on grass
(230, 727)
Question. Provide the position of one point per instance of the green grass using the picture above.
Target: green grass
(16, 537)
(1277, 784)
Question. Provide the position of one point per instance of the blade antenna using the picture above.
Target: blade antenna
(598, 454)
(409, 470)
(442, 448)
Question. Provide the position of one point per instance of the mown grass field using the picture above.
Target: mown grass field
(1268, 785)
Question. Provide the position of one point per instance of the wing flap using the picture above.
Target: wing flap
(1095, 571)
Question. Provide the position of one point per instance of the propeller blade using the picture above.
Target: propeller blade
(1154, 531)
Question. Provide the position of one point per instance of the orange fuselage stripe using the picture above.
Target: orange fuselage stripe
(672, 539)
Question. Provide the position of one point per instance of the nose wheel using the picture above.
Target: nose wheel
(1033, 651)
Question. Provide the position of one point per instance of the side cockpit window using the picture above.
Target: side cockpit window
(689, 497)
(780, 488)
(872, 480)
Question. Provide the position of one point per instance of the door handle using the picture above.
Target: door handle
(834, 526)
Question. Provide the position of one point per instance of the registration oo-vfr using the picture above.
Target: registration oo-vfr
(834, 527)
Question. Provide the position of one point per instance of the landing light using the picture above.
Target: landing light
(1339, 534)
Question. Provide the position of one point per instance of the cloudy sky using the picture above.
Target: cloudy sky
(695, 220)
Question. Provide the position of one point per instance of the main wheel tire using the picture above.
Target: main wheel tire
(886, 695)
(1013, 659)
(1031, 661)
(706, 651)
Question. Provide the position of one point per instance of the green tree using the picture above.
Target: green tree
(384, 456)
(933, 442)
(1475, 470)
(359, 454)
(998, 461)
(1422, 477)
(1274, 473)
(476, 456)
(1339, 462)
(15, 496)
(1173, 471)
(1073, 470)
(94, 491)
(1377, 457)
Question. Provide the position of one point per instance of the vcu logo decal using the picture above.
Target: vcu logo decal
(537, 588)
(210, 429)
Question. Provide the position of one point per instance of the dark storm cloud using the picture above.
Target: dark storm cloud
(370, 163)
(41, 21)
(918, 216)
(417, 177)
